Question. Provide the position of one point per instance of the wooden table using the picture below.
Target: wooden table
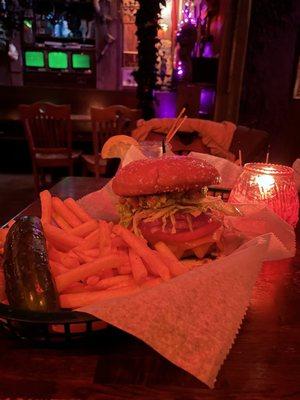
(263, 363)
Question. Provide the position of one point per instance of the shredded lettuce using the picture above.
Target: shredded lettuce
(133, 210)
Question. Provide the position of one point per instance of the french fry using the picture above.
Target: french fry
(198, 242)
(151, 270)
(139, 271)
(61, 209)
(46, 206)
(109, 273)
(57, 268)
(59, 239)
(150, 257)
(89, 242)
(124, 285)
(201, 250)
(77, 210)
(93, 280)
(86, 270)
(85, 228)
(151, 282)
(175, 266)
(61, 223)
(77, 287)
(82, 256)
(53, 254)
(178, 251)
(104, 237)
(76, 300)
(68, 260)
(109, 282)
(192, 263)
(125, 267)
(117, 241)
(94, 253)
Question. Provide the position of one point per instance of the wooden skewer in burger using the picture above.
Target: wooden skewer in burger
(164, 200)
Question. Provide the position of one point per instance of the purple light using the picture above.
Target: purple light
(208, 50)
(207, 99)
(166, 107)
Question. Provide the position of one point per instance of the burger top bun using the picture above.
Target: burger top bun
(167, 174)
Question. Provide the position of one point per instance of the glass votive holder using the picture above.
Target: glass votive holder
(154, 148)
(271, 184)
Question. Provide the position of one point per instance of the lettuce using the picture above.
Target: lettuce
(133, 210)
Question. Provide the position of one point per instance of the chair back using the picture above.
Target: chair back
(126, 118)
(104, 125)
(252, 143)
(47, 127)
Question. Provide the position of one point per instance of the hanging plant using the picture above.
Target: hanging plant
(10, 20)
(147, 22)
(3, 37)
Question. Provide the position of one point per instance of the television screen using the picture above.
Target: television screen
(34, 59)
(57, 60)
(81, 61)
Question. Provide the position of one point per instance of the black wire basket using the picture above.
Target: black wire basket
(64, 326)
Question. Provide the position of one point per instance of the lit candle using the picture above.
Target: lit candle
(271, 184)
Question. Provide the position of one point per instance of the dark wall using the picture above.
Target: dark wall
(4, 70)
(270, 74)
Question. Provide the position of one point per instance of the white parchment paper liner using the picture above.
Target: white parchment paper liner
(193, 319)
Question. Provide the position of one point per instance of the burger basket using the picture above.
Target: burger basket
(47, 328)
(61, 327)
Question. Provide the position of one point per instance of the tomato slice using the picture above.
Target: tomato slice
(157, 235)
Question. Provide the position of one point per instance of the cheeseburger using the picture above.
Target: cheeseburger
(166, 200)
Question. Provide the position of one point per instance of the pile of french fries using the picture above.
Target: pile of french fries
(94, 260)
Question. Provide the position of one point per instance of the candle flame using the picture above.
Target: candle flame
(265, 184)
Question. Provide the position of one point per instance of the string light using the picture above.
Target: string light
(186, 19)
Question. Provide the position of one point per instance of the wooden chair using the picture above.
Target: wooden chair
(126, 118)
(49, 133)
(104, 125)
(253, 144)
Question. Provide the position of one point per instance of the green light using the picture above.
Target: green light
(28, 23)
(57, 60)
(34, 59)
(81, 61)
